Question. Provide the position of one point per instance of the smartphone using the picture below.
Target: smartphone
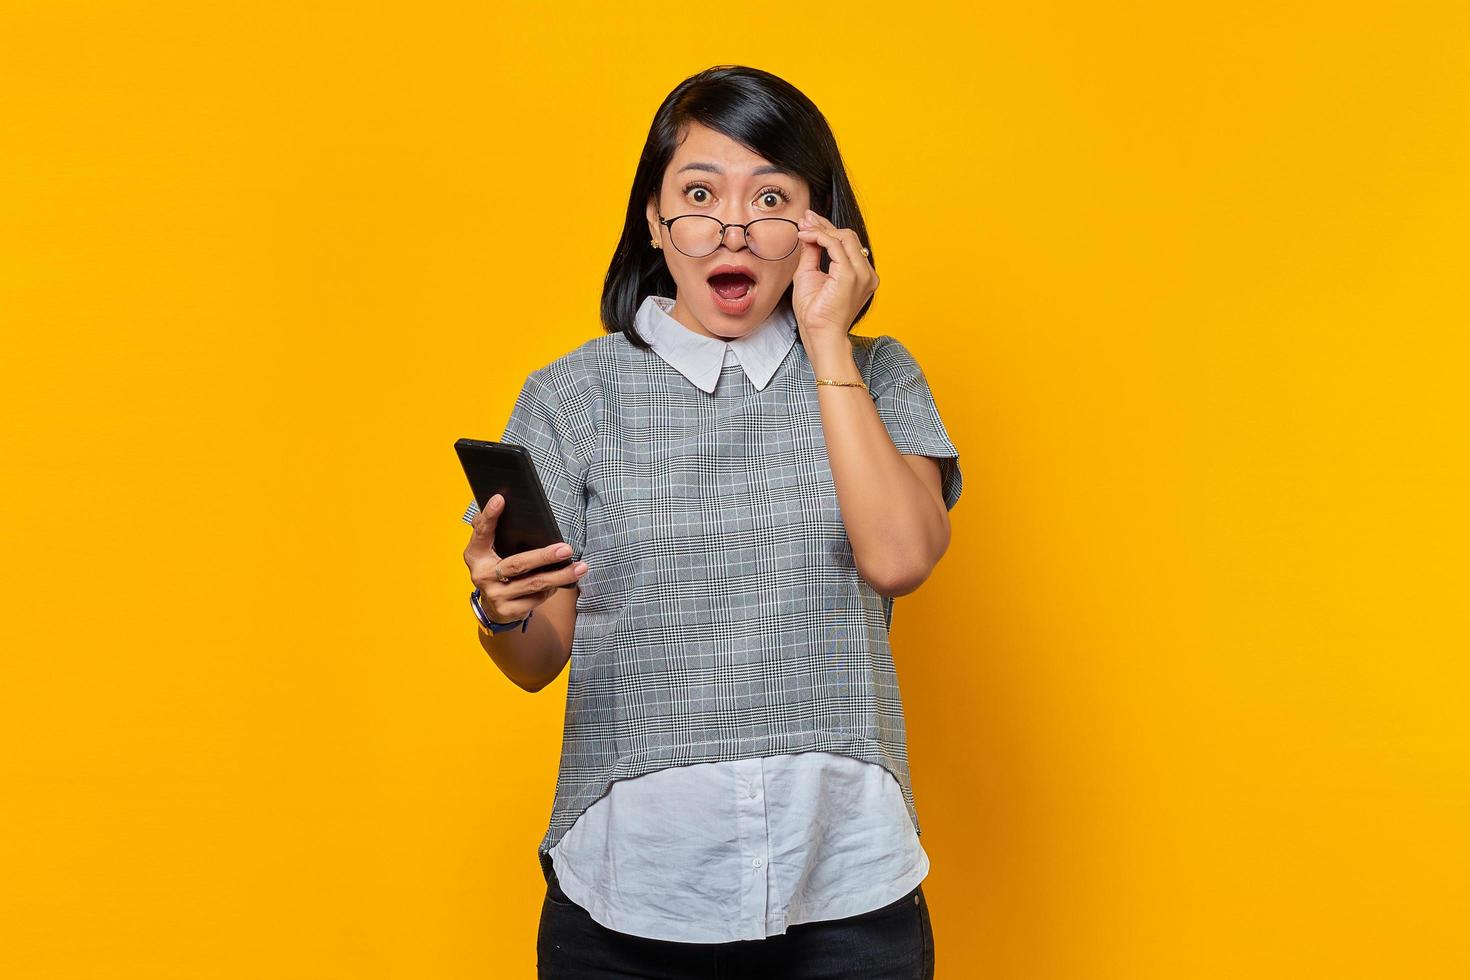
(526, 522)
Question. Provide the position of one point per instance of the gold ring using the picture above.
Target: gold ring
(502, 578)
(865, 251)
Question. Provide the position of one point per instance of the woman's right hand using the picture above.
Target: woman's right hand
(507, 602)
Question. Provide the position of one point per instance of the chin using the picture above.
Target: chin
(732, 326)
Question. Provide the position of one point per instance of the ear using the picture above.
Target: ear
(653, 226)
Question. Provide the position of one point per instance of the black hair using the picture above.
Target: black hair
(764, 113)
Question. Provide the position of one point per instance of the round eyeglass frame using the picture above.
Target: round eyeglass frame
(724, 227)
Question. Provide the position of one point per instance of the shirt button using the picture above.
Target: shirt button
(756, 863)
(752, 792)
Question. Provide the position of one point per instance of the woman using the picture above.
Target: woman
(744, 486)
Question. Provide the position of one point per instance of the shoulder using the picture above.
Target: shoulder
(882, 358)
(585, 369)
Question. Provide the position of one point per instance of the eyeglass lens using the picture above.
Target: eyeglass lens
(769, 238)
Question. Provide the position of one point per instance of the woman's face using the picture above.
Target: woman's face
(712, 174)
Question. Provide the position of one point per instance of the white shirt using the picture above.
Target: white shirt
(724, 851)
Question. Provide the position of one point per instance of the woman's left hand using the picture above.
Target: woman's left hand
(826, 303)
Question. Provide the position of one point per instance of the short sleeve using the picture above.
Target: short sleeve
(537, 424)
(906, 405)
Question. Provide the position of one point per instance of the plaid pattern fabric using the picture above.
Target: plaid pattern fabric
(722, 616)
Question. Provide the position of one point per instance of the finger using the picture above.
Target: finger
(865, 276)
(527, 561)
(488, 517)
(841, 265)
(820, 236)
(854, 246)
(508, 609)
(851, 244)
(811, 256)
(537, 582)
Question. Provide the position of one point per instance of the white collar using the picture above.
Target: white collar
(700, 358)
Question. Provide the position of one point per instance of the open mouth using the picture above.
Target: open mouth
(732, 291)
(731, 285)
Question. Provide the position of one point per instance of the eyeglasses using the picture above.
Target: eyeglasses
(697, 235)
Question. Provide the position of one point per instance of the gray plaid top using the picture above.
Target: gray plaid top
(722, 616)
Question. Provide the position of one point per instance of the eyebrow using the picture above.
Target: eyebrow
(717, 169)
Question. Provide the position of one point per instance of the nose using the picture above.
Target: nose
(730, 240)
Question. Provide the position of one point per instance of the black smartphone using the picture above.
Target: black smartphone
(526, 522)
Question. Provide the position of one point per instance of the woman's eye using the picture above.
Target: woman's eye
(772, 199)
(700, 191)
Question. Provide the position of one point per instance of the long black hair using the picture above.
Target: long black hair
(767, 115)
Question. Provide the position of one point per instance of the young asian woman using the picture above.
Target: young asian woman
(746, 486)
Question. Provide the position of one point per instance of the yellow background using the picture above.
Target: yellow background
(1187, 697)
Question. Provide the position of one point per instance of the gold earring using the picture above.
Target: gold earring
(654, 243)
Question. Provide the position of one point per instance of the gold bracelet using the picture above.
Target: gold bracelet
(843, 384)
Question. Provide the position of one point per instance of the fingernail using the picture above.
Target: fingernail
(581, 567)
(562, 550)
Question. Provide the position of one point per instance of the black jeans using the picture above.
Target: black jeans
(895, 942)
